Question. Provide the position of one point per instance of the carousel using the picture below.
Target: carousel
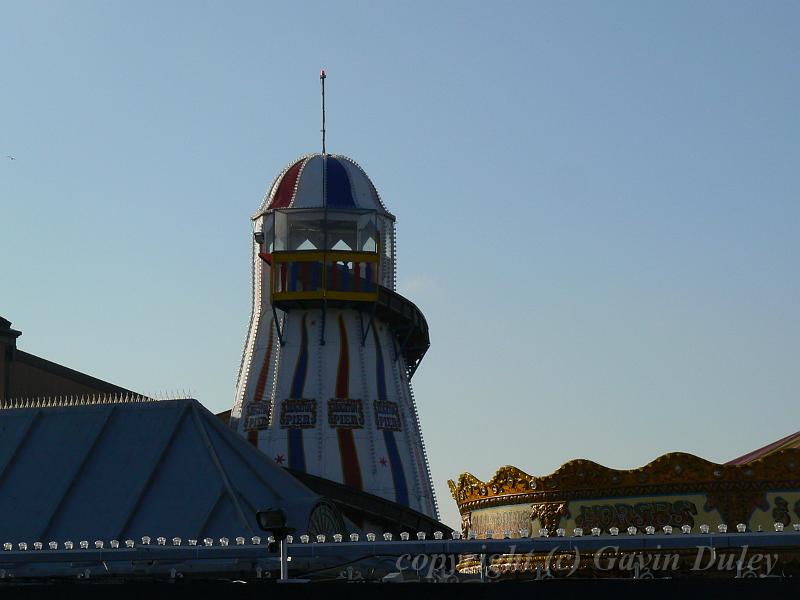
(677, 492)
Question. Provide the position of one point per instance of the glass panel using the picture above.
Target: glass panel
(305, 230)
(350, 231)
(387, 273)
(342, 231)
(267, 228)
(281, 230)
(367, 233)
(387, 241)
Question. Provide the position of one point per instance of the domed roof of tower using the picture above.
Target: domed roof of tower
(318, 181)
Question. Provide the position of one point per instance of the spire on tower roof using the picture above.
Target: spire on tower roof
(322, 77)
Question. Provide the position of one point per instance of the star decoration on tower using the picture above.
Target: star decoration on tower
(382, 461)
(279, 459)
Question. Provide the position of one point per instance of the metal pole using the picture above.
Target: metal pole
(322, 83)
(284, 561)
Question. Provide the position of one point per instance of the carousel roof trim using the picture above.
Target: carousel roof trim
(582, 477)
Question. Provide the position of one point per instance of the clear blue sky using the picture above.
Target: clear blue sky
(598, 204)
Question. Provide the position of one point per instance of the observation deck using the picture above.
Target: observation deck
(338, 279)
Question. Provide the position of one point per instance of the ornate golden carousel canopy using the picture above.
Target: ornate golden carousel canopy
(675, 489)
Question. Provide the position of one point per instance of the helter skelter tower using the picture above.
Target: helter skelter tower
(325, 381)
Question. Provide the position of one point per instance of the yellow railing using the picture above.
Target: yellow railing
(333, 275)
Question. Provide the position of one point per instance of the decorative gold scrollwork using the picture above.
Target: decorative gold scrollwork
(549, 514)
(674, 473)
(466, 523)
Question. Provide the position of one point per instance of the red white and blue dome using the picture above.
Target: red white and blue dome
(319, 181)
